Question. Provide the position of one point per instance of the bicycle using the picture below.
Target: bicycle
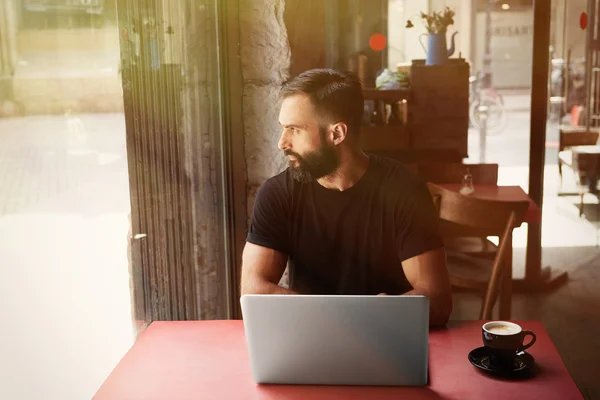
(486, 100)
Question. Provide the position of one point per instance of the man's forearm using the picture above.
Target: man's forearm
(440, 307)
(265, 287)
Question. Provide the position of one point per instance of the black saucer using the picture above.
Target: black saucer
(521, 363)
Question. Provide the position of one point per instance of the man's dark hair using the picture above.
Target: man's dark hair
(337, 96)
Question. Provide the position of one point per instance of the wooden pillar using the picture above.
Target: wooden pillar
(537, 140)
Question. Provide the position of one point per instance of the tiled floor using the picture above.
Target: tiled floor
(43, 157)
(64, 279)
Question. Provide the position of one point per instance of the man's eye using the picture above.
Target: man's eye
(295, 130)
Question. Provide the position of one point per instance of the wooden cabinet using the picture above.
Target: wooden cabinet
(433, 119)
(386, 121)
(439, 107)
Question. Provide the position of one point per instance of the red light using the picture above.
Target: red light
(377, 42)
(583, 20)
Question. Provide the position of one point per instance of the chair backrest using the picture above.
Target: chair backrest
(412, 168)
(483, 174)
(572, 136)
(470, 216)
(479, 215)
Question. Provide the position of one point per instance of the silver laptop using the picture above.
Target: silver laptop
(337, 340)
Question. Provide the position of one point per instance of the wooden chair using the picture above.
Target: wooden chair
(586, 164)
(462, 216)
(483, 174)
(569, 137)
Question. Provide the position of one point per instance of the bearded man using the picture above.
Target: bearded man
(343, 221)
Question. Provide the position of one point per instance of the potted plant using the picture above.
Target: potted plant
(436, 23)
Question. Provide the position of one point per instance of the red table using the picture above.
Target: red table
(209, 360)
(536, 278)
(504, 193)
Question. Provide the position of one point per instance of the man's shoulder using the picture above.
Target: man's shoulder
(282, 181)
(394, 172)
(279, 186)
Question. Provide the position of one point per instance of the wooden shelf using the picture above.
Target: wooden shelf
(388, 137)
(387, 95)
(435, 115)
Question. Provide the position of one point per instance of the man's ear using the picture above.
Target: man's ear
(339, 131)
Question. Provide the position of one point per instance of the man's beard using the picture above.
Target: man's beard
(316, 164)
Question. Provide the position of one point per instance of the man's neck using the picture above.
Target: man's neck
(353, 166)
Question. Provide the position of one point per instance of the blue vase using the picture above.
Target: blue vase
(437, 53)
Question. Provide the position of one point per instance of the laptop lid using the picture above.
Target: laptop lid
(337, 340)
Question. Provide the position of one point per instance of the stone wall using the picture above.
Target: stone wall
(265, 62)
(202, 147)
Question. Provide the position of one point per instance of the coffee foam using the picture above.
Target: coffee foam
(502, 328)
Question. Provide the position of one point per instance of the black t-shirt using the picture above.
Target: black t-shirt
(352, 241)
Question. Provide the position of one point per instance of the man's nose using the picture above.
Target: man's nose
(283, 143)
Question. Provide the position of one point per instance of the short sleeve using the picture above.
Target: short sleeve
(269, 225)
(417, 223)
